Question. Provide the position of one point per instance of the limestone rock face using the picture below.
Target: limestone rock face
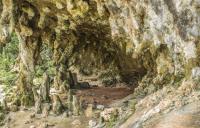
(162, 36)
(154, 41)
(168, 30)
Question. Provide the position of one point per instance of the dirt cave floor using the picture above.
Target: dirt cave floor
(103, 95)
(96, 95)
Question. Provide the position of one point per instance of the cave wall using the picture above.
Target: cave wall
(159, 38)
(168, 28)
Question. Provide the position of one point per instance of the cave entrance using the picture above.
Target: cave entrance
(80, 44)
(97, 68)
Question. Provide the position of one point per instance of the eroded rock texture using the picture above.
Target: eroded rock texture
(164, 32)
(156, 40)
(164, 37)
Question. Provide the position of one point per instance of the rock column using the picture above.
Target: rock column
(29, 47)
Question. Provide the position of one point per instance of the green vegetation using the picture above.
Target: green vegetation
(112, 121)
(8, 56)
(110, 77)
(45, 63)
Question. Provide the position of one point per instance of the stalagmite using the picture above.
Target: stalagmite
(75, 79)
(63, 77)
(76, 106)
(57, 105)
(46, 109)
(89, 110)
(69, 100)
(38, 101)
(5, 105)
(64, 87)
(45, 88)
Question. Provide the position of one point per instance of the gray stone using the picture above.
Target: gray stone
(84, 85)
(32, 116)
(92, 123)
(70, 113)
(46, 109)
(32, 126)
(43, 125)
(65, 114)
(100, 107)
(76, 123)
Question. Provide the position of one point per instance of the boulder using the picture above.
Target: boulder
(84, 85)
(89, 110)
(100, 107)
(46, 109)
(92, 123)
(32, 126)
(76, 123)
(43, 125)
(109, 113)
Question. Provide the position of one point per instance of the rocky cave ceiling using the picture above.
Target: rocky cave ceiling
(77, 31)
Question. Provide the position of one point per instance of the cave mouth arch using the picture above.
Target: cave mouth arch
(94, 54)
(77, 40)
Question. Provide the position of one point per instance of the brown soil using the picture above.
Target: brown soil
(99, 95)
(103, 95)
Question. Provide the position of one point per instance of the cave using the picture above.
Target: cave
(98, 60)
(77, 45)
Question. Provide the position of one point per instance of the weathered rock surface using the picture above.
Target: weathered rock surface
(164, 33)
(162, 37)
(154, 41)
